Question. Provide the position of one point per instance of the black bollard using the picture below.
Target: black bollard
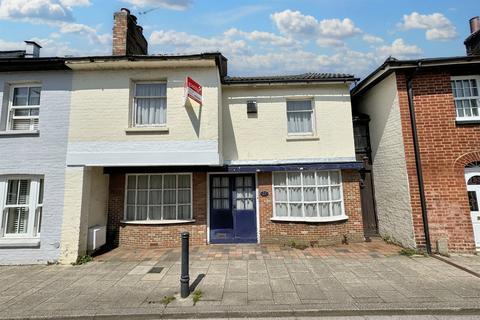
(185, 277)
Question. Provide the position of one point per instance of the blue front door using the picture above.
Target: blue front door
(232, 209)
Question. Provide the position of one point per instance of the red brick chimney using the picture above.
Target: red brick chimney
(128, 37)
(472, 43)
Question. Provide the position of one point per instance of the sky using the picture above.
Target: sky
(257, 37)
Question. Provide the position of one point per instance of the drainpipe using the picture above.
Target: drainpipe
(418, 161)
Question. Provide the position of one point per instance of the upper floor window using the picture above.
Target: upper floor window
(150, 104)
(24, 108)
(21, 202)
(300, 117)
(467, 99)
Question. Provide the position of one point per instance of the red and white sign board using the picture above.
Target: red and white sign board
(193, 91)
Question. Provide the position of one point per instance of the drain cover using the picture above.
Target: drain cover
(156, 270)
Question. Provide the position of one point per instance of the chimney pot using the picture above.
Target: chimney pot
(472, 43)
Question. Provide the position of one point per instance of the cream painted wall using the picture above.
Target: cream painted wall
(264, 137)
(392, 192)
(101, 105)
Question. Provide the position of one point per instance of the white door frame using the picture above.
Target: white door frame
(469, 173)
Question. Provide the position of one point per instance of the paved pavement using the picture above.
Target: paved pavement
(329, 285)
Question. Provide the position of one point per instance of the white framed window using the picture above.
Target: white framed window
(466, 96)
(300, 117)
(158, 197)
(150, 104)
(24, 107)
(21, 206)
(308, 195)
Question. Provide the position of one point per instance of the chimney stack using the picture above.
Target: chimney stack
(128, 37)
(33, 49)
(472, 43)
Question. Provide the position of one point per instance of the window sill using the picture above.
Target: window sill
(461, 121)
(140, 130)
(302, 138)
(20, 133)
(158, 222)
(327, 219)
(20, 243)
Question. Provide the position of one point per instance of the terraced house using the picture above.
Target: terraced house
(424, 134)
(159, 144)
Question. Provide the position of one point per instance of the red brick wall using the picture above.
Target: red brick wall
(442, 142)
(152, 236)
(312, 233)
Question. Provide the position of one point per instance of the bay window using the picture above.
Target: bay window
(21, 206)
(158, 197)
(150, 104)
(308, 196)
(24, 108)
(466, 97)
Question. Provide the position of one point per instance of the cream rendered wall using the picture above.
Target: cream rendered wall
(264, 137)
(392, 192)
(86, 197)
(101, 114)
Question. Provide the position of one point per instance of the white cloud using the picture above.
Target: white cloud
(43, 10)
(294, 22)
(167, 4)
(326, 43)
(187, 43)
(399, 49)
(75, 3)
(336, 28)
(262, 36)
(81, 29)
(233, 15)
(437, 26)
(371, 39)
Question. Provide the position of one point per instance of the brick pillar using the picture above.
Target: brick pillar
(128, 37)
(116, 200)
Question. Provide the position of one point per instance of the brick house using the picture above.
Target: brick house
(425, 142)
(153, 145)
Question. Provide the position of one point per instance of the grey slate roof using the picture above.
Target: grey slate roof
(304, 77)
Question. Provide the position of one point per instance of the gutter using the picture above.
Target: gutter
(418, 161)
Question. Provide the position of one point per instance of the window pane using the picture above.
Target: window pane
(281, 210)
(309, 194)
(294, 179)
(132, 180)
(472, 199)
(337, 208)
(151, 90)
(169, 213)
(155, 197)
(21, 112)
(169, 197)
(299, 122)
(248, 181)
(310, 210)
(18, 192)
(324, 209)
(40, 192)
(322, 178)
(279, 178)
(296, 210)
(142, 182)
(17, 220)
(12, 192)
(225, 182)
(184, 196)
(336, 193)
(20, 96)
(151, 111)
(280, 194)
(294, 194)
(334, 177)
(184, 212)
(156, 182)
(170, 182)
(142, 212)
(240, 204)
(248, 204)
(131, 197)
(130, 212)
(184, 181)
(142, 197)
(323, 194)
(34, 97)
(155, 212)
(305, 105)
(309, 178)
(239, 181)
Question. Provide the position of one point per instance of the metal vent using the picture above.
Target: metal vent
(252, 107)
